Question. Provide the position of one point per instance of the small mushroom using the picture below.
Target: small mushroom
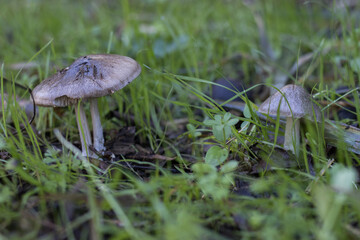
(298, 104)
(88, 78)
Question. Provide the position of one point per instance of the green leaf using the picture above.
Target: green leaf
(244, 125)
(323, 198)
(221, 126)
(192, 130)
(343, 178)
(216, 156)
(203, 169)
(232, 122)
(229, 166)
(246, 112)
(218, 119)
(227, 116)
(227, 130)
(218, 132)
(209, 122)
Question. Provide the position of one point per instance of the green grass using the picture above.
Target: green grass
(259, 192)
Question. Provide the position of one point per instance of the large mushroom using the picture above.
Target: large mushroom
(298, 104)
(88, 78)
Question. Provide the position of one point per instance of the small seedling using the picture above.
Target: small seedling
(216, 155)
(192, 133)
(212, 182)
(221, 126)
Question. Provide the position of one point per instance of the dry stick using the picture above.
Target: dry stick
(322, 172)
(68, 144)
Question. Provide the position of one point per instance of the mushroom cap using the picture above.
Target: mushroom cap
(299, 101)
(89, 76)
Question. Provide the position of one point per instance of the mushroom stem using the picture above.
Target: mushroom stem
(97, 128)
(292, 132)
(84, 131)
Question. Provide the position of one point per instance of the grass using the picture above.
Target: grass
(257, 191)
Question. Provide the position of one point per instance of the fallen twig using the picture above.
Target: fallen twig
(68, 145)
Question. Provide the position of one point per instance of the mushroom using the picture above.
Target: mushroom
(298, 104)
(87, 78)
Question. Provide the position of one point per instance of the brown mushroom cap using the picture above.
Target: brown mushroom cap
(90, 76)
(297, 99)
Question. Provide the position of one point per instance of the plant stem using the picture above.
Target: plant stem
(84, 131)
(292, 138)
(97, 128)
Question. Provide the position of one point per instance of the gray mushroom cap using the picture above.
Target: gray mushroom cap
(297, 99)
(90, 76)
